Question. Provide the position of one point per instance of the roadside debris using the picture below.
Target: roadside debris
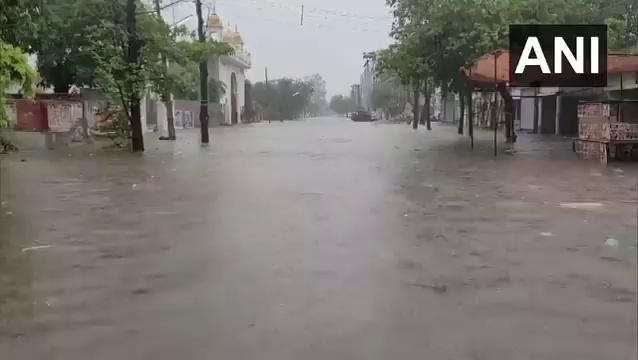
(611, 242)
(583, 205)
(438, 288)
(547, 234)
(35, 248)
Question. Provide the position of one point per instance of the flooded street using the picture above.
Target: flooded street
(319, 239)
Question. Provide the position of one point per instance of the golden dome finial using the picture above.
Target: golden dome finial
(214, 21)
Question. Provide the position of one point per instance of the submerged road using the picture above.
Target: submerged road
(319, 239)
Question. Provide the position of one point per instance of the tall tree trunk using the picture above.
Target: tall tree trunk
(470, 116)
(509, 113)
(415, 109)
(167, 97)
(203, 77)
(426, 106)
(485, 109)
(422, 114)
(462, 115)
(137, 137)
(170, 117)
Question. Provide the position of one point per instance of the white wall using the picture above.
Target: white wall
(449, 107)
(527, 109)
(224, 74)
(527, 113)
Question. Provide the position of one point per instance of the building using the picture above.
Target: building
(230, 70)
(555, 110)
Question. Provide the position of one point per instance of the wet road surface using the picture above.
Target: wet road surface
(321, 239)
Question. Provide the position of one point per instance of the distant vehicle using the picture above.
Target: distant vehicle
(361, 116)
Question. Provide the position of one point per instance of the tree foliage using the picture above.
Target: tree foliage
(20, 22)
(186, 85)
(437, 38)
(341, 104)
(388, 95)
(283, 99)
(14, 69)
(318, 102)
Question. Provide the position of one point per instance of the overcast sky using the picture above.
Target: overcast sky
(331, 42)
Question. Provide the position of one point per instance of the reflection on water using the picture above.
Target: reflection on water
(278, 234)
(17, 300)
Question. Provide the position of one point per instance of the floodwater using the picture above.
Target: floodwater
(321, 239)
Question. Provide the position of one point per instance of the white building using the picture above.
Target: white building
(230, 70)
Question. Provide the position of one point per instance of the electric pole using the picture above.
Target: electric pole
(167, 97)
(133, 59)
(203, 77)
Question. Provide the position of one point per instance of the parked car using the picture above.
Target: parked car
(361, 116)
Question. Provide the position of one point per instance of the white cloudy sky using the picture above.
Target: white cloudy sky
(331, 42)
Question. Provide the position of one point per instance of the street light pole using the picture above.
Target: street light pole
(496, 55)
(203, 77)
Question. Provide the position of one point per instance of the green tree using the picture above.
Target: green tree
(283, 99)
(14, 69)
(318, 102)
(20, 23)
(428, 46)
(186, 86)
(404, 60)
(388, 94)
(341, 104)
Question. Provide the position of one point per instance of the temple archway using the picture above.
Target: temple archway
(234, 112)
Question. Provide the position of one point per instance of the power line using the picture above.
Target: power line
(366, 26)
(320, 12)
(162, 7)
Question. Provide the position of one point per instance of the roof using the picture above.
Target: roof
(622, 63)
(483, 69)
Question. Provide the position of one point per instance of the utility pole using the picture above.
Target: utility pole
(203, 77)
(133, 60)
(167, 97)
(267, 88)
